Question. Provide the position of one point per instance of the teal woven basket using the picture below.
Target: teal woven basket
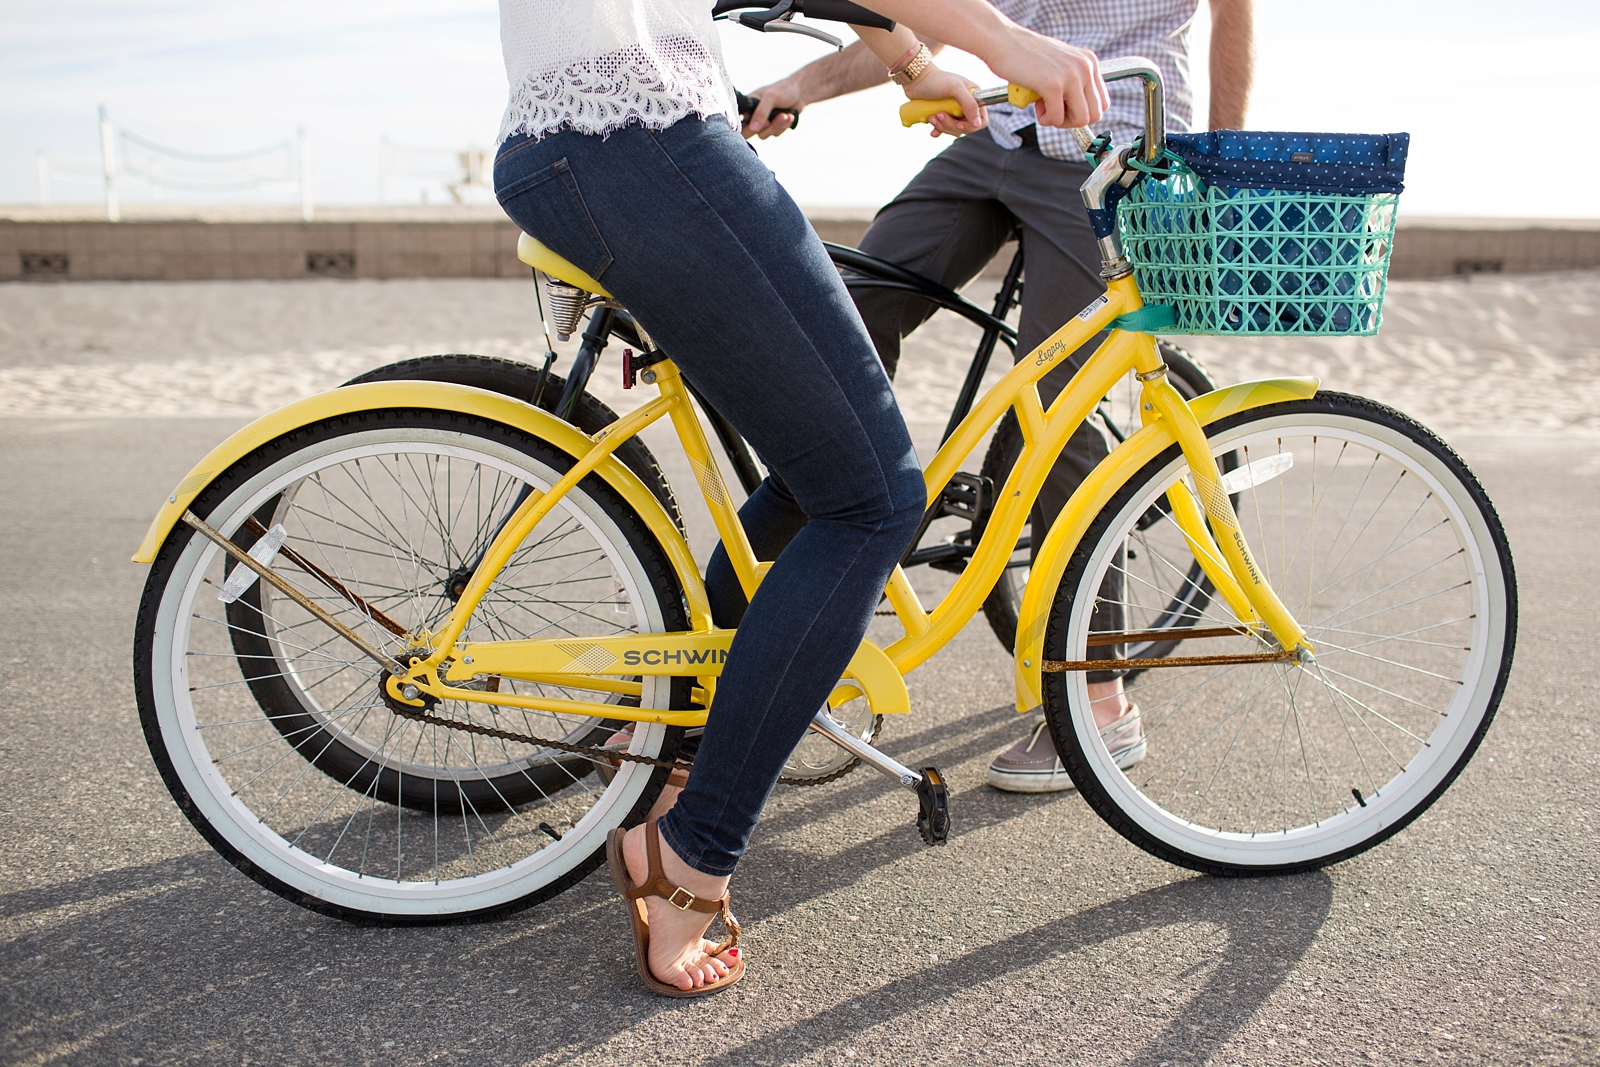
(1229, 242)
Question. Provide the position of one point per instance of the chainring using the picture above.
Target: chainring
(816, 759)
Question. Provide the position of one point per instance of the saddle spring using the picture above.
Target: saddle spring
(567, 305)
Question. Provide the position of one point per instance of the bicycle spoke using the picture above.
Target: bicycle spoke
(1379, 572)
(300, 733)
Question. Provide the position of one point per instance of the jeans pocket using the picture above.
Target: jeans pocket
(547, 204)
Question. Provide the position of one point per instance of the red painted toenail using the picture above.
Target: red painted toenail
(733, 952)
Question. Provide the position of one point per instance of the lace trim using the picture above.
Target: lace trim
(633, 87)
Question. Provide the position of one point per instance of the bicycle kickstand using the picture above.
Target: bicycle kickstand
(933, 798)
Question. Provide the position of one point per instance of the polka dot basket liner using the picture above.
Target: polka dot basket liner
(1268, 233)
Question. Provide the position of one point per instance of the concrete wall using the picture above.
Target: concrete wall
(41, 244)
(192, 249)
(1438, 248)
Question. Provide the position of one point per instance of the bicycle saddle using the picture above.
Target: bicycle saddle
(533, 252)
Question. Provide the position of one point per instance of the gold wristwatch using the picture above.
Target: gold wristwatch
(913, 68)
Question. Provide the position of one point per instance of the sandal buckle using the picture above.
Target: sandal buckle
(688, 898)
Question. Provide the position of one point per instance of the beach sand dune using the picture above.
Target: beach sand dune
(1516, 353)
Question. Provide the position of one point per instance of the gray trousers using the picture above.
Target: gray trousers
(947, 225)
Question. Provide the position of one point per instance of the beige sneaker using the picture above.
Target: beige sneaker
(1032, 766)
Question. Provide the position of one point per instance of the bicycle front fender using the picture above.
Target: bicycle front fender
(1096, 491)
(377, 397)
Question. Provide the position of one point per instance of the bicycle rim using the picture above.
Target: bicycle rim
(1383, 546)
(392, 514)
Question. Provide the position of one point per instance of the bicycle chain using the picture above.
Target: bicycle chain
(600, 754)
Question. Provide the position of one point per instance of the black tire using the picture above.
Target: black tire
(1239, 769)
(510, 378)
(1191, 594)
(281, 700)
(190, 714)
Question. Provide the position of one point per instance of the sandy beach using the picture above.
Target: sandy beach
(1491, 352)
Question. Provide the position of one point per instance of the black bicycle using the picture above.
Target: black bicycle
(954, 522)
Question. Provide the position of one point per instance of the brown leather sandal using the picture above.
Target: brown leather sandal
(656, 885)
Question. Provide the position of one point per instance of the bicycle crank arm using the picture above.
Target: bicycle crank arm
(823, 724)
(933, 799)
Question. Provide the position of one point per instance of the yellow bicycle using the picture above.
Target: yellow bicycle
(393, 635)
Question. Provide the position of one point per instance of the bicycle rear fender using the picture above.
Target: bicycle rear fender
(436, 396)
(1095, 493)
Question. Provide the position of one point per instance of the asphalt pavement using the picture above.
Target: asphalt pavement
(1037, 936)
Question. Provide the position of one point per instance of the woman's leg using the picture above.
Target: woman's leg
(771, 517)
(692, 233)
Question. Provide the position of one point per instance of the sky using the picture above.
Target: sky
(1483, 86)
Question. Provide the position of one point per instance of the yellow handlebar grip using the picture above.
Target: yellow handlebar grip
(915, 111)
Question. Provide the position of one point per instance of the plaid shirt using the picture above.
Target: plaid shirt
(1155, 29)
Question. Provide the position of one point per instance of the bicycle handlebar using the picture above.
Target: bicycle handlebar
(1155, 115)
(915, 111)
(826, 10)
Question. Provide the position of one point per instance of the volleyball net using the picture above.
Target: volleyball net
(126, 157)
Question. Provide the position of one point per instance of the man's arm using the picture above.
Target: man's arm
(1232, 62)
(850, 71)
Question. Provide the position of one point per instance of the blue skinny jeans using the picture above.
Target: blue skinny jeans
(693, 234)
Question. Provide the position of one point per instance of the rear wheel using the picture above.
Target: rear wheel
(520, 381)
(289, 761)
(1382, 544)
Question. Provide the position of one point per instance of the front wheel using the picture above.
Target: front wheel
(1383, 545)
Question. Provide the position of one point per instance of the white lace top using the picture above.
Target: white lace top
(598, 65)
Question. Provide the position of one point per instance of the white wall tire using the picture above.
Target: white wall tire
(265, 804)
(1384, 545)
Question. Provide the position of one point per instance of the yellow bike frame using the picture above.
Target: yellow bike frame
(607, 665)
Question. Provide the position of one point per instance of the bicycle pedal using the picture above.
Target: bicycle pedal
(933, 807)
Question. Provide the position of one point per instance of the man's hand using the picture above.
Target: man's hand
(936, 84)
(781, 94)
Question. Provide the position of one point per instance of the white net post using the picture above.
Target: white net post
(108, 165)
(44, 178)
(303, 158)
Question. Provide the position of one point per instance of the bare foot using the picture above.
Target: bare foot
(663, 804)
(679, 953)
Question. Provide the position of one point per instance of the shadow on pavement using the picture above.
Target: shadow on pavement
(1250, 968)
(183, 960)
